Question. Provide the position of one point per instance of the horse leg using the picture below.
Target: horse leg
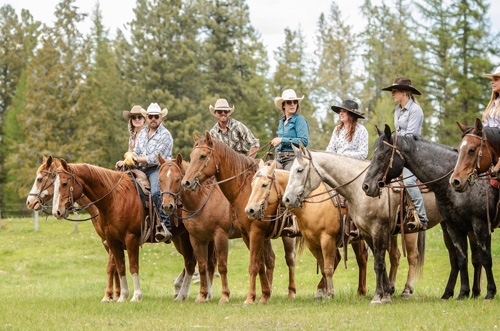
(476, 264)
(111, 272)
(411, 241)
(183, 284)
(268, 259)
(323, 287)
(383, 287)
(289, 247)
(116, 249)
(394, 258)
(222, 248)
(201, 253)
(452, 255)
(361, 252)
(211, 264)
(459, 240)
(255, 243)
(133, 258)
(178, 282)
(484, 246)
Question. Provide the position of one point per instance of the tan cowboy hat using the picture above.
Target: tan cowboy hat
(154, 109)
(136, 110)
(221, 104)
(402, 83)
(288, 94)
(496, 73)
(350, 106)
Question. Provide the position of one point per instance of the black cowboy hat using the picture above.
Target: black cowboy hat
(402, 83)
(350, 106)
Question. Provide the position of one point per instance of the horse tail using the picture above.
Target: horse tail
(421, 252)
(300, 245)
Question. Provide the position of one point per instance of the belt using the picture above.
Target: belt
(280, 154)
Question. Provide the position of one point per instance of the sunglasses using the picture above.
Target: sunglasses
(220, 111)
(289, 102)
(153, 116)
(137, 117)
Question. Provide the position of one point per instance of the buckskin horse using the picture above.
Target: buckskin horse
(432, 164)
(319, 222)
(206, 214)
(234, 173)
(478, 152)
(375, 217)
(123, 214)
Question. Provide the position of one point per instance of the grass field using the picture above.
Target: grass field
(54, 279)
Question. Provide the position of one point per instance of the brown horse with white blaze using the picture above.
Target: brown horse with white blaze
(234, 173)
(113, 193)
(319, 222)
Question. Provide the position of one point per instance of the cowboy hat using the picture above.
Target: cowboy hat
(136, 110)
(221, 104)
(154, 109)
(288, 94)
(402, 83)
(496, 73)
(350, 106)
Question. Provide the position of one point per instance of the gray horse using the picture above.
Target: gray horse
(432, 163)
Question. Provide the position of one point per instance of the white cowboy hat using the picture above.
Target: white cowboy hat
(154, 109)
(136, 110)
(221, 104)
(494, 74)
(288, 94)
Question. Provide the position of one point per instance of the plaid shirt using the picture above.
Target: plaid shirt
(237, 136)
(160, 142)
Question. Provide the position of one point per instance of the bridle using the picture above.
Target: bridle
(265, 202)
(471, 178)
(46, 184)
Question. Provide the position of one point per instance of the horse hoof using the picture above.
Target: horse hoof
(406, 294)
(386, 300)
(375, 302)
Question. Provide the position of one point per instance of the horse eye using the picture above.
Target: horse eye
(472, 151)
(203, 156)
(178, 180)
(300, 169)
(264, 185)
(39, 180)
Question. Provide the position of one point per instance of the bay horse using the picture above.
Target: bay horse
(206, 214)
(374, 217)
(234, 173)
(115, 196)
(478, 152)
(318, 220)
(432, 163)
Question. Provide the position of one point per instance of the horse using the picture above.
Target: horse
(318, 220)
(375, 218)
(206, 214)
(433, 163)
(122, 214)
(234, 173)
(477, 153)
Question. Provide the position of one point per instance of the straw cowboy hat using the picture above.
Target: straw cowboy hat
(402, 83)
(285, 96)
(494, 74)
(221, 104)
(136, 110)
(154, 109)
(350, 106)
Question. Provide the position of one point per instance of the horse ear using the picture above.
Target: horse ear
(379, 133)
(47, 161)
(64, 164)
(270, 170)
(208, 137)
(478, 125)
(161, 160)
(179, 159)
(195, 136)
(261, 163)
(387, 132)
(462, 127)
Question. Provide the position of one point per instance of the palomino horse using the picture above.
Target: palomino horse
(234, 173)
(432, 163)
(478, 152)
(43, 191)
(123, 213)
(375, 218)
(206, 214)
(319, 223)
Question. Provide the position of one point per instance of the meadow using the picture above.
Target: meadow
(54, 279)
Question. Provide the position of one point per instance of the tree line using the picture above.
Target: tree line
(62, 92)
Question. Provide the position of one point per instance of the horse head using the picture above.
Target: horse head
(202, 165)
(66, 190)
(475, 155)
(170, 176)
(386, 164)
(304, 178)
(263, 190)
(43, 186)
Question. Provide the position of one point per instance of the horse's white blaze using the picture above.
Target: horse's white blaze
(56, 197)
(169, 172)
(463, 144)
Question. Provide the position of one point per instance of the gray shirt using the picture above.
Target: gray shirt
(409, 120)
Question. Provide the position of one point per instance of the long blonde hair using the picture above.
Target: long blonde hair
(491, 104)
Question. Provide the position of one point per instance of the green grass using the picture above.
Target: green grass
(54, 279)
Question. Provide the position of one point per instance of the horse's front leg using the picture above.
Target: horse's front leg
(117, 252)
(133, 258)
(201, 254)
(113, 279)
(289, 247)
(459, 240)
(411, 242)
(483, 236)
(394, 259)
(183, 284)
(222, 248)
(476, 264)
(383, 287)
(361, 252)
(452, 255)
(257, 266)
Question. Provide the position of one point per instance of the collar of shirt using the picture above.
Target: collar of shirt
(229, 125)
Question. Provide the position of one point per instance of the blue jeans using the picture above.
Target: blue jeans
(152, 174)
(415, 194)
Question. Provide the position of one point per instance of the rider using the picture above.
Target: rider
(153, 140)
(491, 117)
(408, 119)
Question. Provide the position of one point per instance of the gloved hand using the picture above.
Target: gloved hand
(130, 159)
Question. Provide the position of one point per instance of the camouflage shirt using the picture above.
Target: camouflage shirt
(237, 136)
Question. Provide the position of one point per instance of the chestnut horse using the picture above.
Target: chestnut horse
(478, 152)
(375, 217)
(234, 173)
(462, 213)
(318, 220)
(122, 215)
(206, 214)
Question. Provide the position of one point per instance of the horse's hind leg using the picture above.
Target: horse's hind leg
(116, 248)
(452, 255)
(183, 246)
(394, 258)
(361, 252)
(289, 247)
(411, 241)
(484, 240)
(112, 278)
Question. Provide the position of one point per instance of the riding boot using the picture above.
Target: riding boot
(163, 234)
(291, 229)
(353, 230)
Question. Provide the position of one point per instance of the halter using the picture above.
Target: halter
(483, 140)
(391, 160)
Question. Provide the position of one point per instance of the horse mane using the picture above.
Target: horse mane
(106, 177)
(493, 136)
(445, 148)
(236, 160)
